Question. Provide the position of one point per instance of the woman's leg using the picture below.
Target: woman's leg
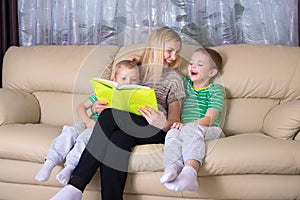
(85, 170)
(130, 130)
(113, 171)
(116, 131)
(95, 151)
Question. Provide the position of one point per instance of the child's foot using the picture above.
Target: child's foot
(45, 171)
(69, 192)
(186, 180)
(171, 172)
(64, 175)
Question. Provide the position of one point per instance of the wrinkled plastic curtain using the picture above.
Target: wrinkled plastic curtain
(121, 22)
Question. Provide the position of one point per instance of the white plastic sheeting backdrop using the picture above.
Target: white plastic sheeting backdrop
(208, 22)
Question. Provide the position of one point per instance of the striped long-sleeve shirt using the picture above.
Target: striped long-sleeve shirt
(198, 101)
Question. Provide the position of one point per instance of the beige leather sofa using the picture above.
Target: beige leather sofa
(259, 158)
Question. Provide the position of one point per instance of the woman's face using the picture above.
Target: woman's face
(171, 51)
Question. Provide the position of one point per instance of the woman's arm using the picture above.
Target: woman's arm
(174, 113)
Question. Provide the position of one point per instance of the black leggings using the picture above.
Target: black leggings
(110, 145)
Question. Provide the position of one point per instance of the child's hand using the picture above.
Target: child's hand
(89, 123)
(99, 106)
(154, 118)
(177, 125)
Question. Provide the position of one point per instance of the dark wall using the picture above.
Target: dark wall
(8, 28)
(298, 23)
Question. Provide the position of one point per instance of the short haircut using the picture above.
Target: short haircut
(216, 58)
(128, 63)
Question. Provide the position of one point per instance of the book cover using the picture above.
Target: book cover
(127, 97)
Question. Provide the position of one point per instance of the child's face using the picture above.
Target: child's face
(126, 76)
(200, 68)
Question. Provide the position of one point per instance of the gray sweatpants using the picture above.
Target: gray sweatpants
(69, 144)
(188, 143)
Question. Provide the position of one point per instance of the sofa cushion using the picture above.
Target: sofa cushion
(245, 115)
(283, 121)
(56, 68)
(244, 153)
(27, 142)
(252, 153)
(59, 108)
(37, 138)
(146, 158)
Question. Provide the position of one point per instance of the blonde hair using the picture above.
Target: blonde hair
(153, 57)
(128, 64)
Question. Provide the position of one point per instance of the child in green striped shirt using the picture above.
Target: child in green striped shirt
(184, 148)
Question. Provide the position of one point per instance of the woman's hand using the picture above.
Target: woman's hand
(154, 118)
(99, 106)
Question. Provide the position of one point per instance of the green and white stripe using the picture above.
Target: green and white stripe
(198, 101)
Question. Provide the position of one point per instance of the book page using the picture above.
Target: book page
(124, 87)
(106, 82)
(129, 98)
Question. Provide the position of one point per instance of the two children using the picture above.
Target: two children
(184, 148)
(73, 139)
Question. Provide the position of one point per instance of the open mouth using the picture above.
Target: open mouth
(193, 73)
(167, 62)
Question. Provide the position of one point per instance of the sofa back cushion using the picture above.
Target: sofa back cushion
(283, 121)
(258, 78)
(57, 75)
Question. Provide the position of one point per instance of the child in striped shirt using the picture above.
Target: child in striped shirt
(184, 148)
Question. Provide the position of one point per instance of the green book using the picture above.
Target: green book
(126, 97)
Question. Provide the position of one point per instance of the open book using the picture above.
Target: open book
(126, 97)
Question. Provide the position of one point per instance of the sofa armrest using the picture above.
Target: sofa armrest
(18, 107)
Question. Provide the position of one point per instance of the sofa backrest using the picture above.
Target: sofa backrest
(261, 82)
(58, 76)
(257, 79)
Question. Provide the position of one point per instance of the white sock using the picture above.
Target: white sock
(186, 180)
(171, 172)
(45, 171)
(69, 192)
(64, 175)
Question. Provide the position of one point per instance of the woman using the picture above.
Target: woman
(117, 132)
